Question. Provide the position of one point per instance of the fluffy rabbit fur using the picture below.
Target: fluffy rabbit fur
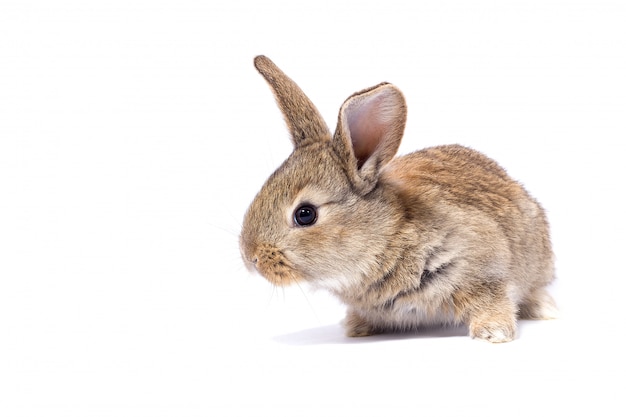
(439, 236)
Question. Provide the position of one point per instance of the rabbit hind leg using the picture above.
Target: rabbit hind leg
(538, 305)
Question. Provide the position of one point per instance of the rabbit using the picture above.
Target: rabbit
(441, 236)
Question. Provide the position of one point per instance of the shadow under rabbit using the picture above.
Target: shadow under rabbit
(335, 334)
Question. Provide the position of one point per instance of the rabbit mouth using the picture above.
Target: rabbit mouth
(274, 266)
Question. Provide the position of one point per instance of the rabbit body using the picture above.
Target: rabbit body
(438, 236)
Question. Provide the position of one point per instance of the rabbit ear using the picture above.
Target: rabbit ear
(303, 120)
(369, 131)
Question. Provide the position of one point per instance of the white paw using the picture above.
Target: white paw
(548, 311)
(493, 334)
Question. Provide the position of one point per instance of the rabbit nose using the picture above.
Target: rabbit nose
(252, 263)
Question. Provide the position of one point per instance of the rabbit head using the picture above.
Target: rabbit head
(320, 214)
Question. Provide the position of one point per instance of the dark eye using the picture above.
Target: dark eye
(305, 215)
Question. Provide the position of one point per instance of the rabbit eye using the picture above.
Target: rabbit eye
(305, 215)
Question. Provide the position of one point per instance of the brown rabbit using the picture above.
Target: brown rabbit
(442, 235)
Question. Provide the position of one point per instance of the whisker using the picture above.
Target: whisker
(272, 294)
(308, 302)
(224, 229)
(235, 220)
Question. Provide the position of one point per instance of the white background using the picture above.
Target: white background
(133, 135)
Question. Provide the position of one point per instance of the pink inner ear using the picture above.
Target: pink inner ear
(366, 126)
